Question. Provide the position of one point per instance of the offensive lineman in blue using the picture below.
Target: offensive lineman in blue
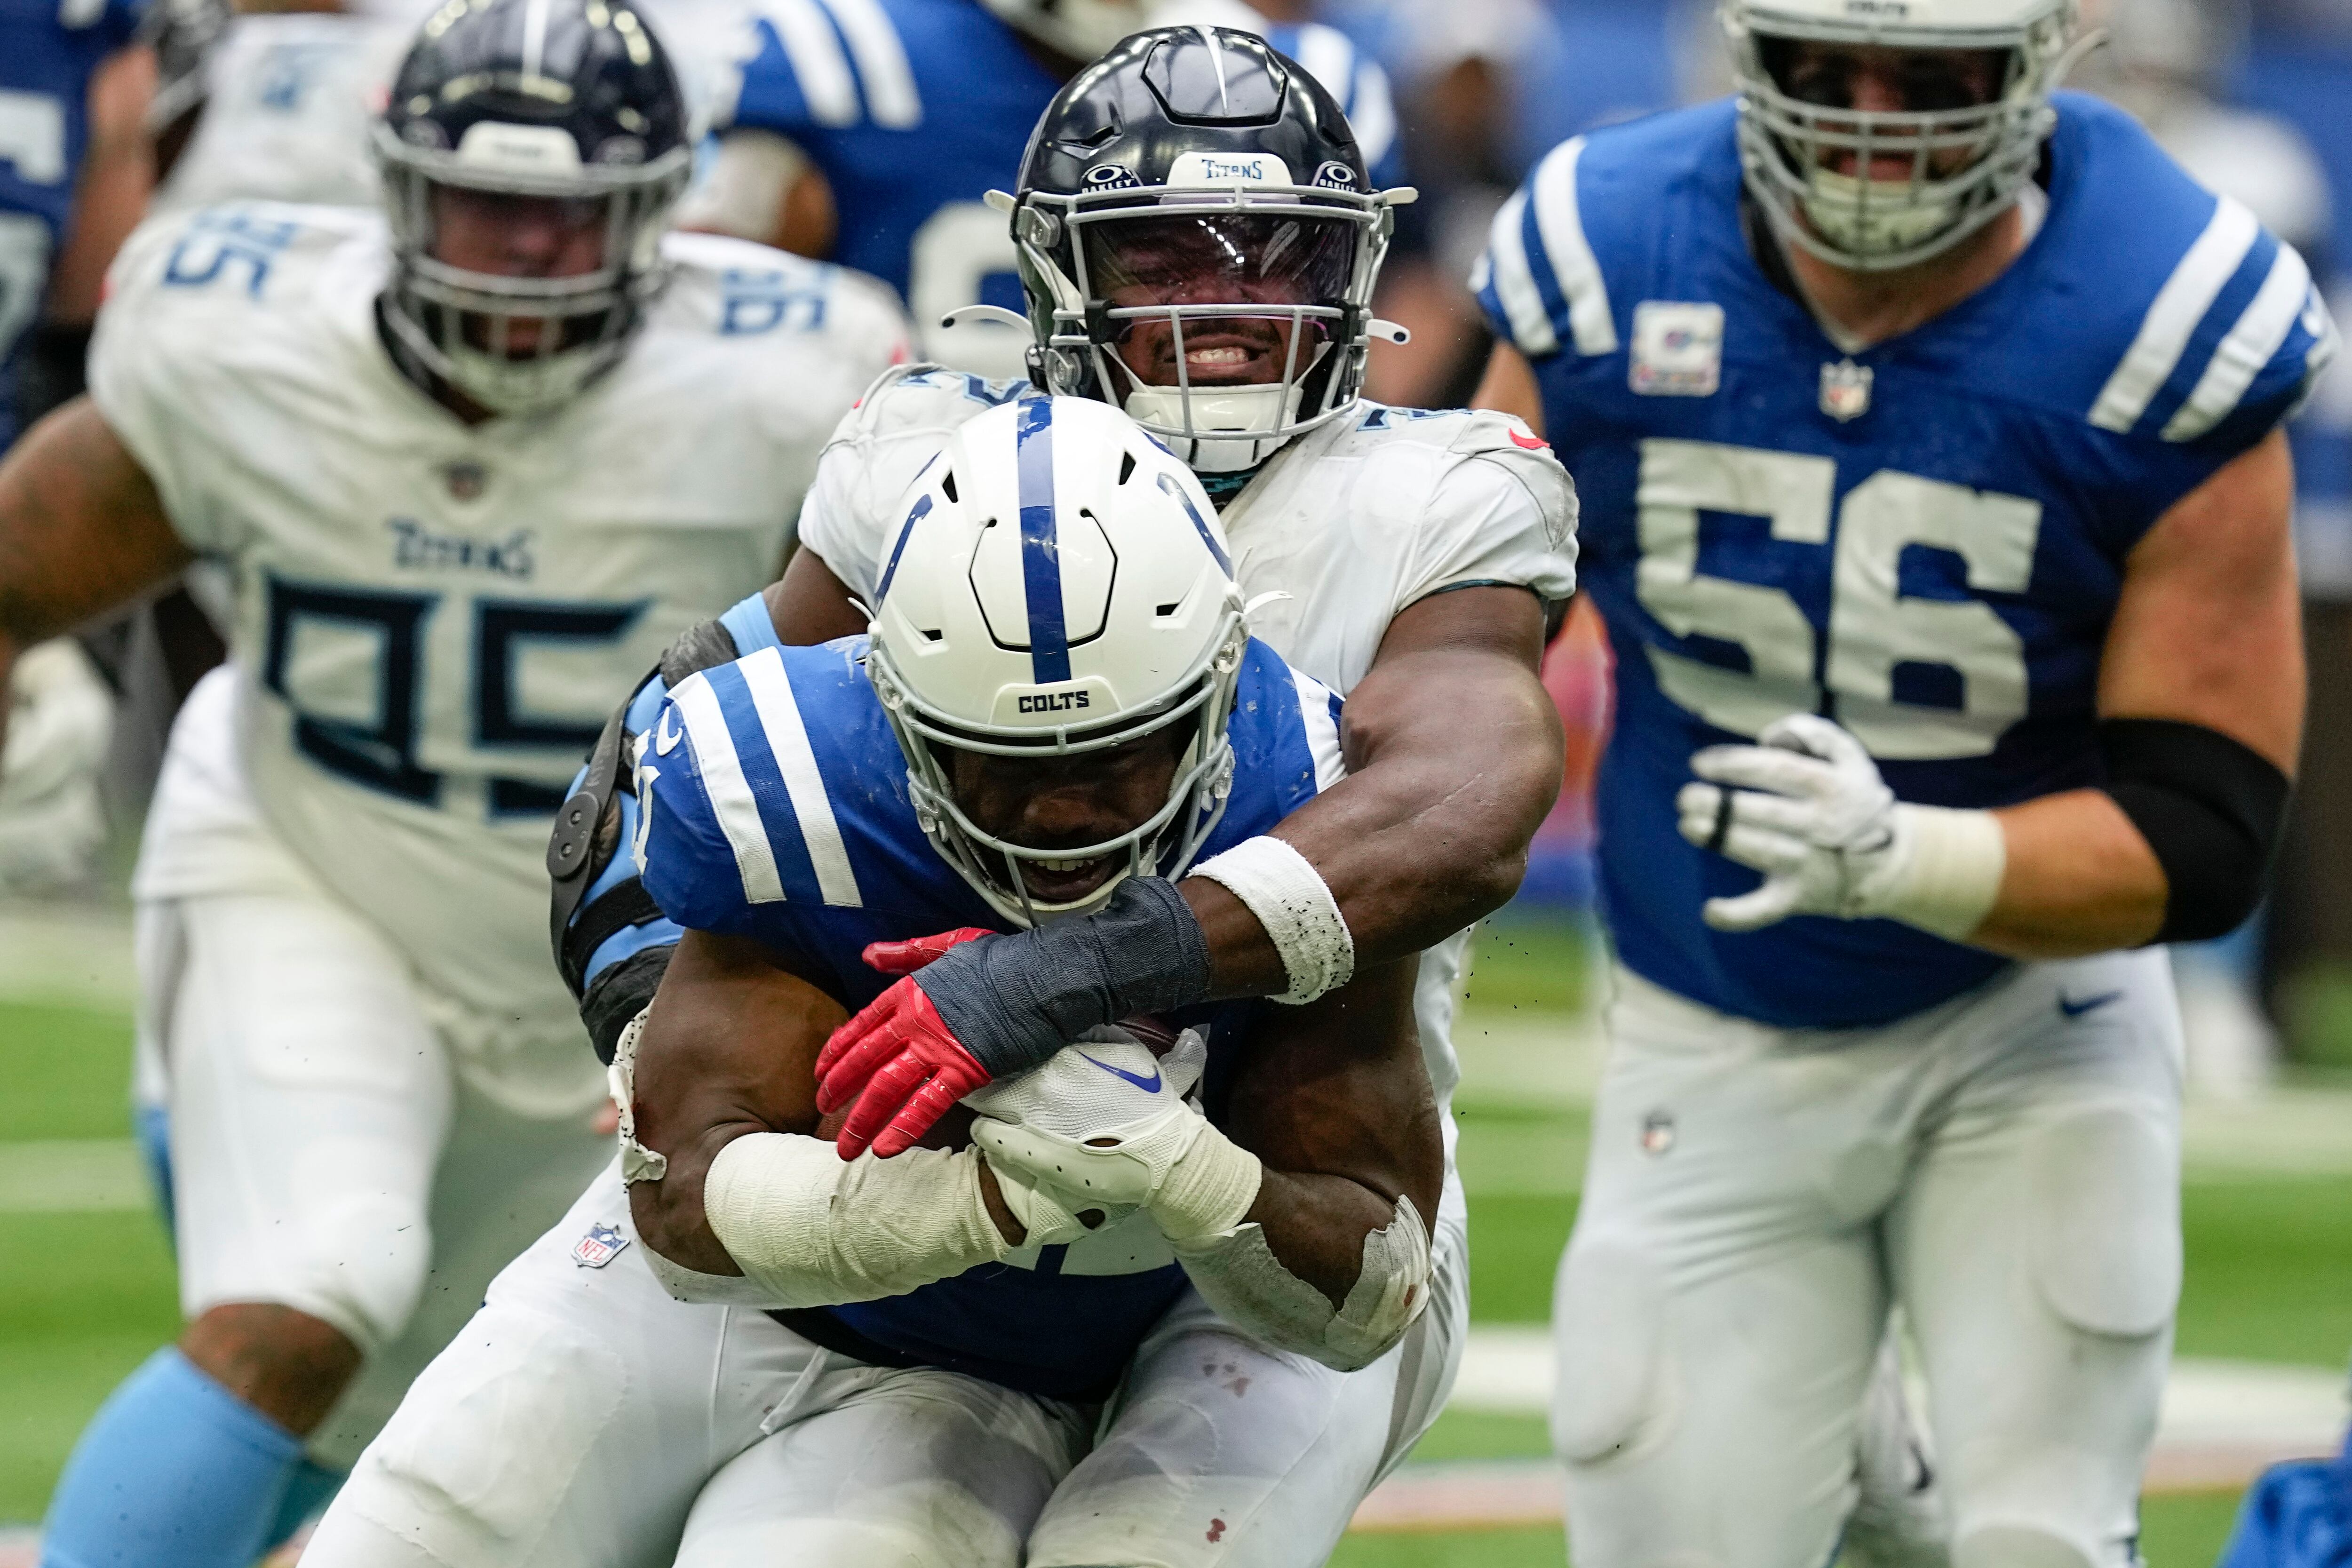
(869, 132)
(1927, 425)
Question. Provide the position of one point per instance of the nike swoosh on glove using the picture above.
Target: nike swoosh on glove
(1103, 1086)
(1100, 1124)
(1806, 806)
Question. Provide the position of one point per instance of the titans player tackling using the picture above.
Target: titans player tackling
(472, 468)
(1928, 427)
(962, 1360)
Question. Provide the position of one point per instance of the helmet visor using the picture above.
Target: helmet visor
(1250, 298)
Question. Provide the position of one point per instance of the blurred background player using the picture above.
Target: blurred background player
(469, 470)
(871, 132)
(72, 176)
(1929, 428)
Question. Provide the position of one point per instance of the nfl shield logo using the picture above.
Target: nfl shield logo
(466, 481)
(599, 1246)
(1845, 390)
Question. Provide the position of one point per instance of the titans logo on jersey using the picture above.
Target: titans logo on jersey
(48, 51)
(774, 802)
(1924, 541)
(915, 109)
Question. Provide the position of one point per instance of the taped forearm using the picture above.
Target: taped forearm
(1237, 1272)
(810, 1230)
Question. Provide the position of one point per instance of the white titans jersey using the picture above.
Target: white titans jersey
(288, 100)
(1349, 524)
(432, 621)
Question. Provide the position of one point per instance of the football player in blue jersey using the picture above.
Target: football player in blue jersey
(1200, 249)
(870, 133)
(52, 53)
(71, 179)
(1121, 1328)
(1928, 422)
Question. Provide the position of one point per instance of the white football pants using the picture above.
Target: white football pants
(586, 1420)
(325, 1155)
(2006, 1165)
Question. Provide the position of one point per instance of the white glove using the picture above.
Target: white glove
(1103, 1125)
(1809, 810)
(60, 717)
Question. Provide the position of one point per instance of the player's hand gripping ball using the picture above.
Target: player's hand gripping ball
(1806, 806)
(897, 1059)
(1100, 1124)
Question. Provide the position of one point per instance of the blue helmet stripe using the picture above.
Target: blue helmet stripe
(1168, 483)
(1041, 546)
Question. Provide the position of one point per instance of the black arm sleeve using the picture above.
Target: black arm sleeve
(2212, 810)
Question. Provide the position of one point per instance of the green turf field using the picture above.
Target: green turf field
(84, 1297)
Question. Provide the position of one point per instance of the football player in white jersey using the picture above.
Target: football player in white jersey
(1416, 550)
(471, 465)
(1927, 420)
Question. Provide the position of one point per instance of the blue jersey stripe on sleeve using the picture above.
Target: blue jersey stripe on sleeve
(891, 99)
(1570, 275)
(1506, 284)
(1540, 278)
(1041, 562)
(2259, 334)
(720, 765)
(805, 75)
(2180, 306)
(771, 691)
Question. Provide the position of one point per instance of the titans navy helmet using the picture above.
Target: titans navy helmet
(569, 101)
(1199, 240)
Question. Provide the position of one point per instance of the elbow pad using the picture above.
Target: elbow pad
(809, 1229)
(2213, 811)
(1239, 1275)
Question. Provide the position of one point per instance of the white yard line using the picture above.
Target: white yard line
(77, 1175)
(66, 952)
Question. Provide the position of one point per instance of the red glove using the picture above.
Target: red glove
(897, 1059)
(906, 957)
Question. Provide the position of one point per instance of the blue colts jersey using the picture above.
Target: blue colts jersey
(775, 807)
(1924, 541)
(915, 109)
(48, 51)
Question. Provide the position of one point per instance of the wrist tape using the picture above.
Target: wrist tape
(810, 1230)
(1014, 1000)
(1952, 879)
(1209, 1189)
(1292, 901)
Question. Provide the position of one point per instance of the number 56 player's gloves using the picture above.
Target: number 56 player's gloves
(1806, 806)
(987, 1007)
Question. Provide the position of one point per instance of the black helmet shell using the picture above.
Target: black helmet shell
(593, 68)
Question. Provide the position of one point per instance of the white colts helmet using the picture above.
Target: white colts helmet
(1967, 164)
(1058, 584)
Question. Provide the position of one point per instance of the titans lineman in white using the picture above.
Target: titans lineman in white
(470, 475)
(1936, 502)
